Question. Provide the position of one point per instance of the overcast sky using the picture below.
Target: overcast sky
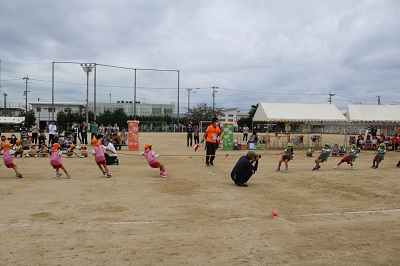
(252, 50)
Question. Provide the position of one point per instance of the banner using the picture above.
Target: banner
(227, 136)
(133, 135)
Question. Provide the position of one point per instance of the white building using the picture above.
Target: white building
(44, 110)
(232, 115)
(141, 108)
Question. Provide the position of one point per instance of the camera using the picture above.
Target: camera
(259, 156)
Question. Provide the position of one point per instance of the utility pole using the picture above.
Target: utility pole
(330, 97)
(110, 97)
(5, 103)
(189, 90)
(213, 94)
(26, 93)
(379, 99)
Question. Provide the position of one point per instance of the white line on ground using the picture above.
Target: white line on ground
(347, 213)
(55, 223)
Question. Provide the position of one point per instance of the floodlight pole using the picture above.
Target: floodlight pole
(189, 90)
(87, 68)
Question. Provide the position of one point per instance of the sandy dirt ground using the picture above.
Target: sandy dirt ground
(198, 216)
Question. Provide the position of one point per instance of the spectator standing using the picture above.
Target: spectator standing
(245, 130)
(35, 133)
(84, 133)
(52, 132)
(76, 131)
(189, 134)
(374, 131)
(196, 134)
(94, 128)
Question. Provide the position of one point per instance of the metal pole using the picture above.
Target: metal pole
(52, 92)
(87, 68)
(178, 97)
(87, 97)
(26, 93)
(188, 98)
(213, 94)
(94, 90)
(134, 98)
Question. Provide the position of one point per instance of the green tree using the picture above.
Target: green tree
(253, 110)
(29, 117)
(248, 120)
(202, 112)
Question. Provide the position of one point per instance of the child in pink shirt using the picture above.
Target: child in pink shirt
(55, 160)
(99, 157)
(8, 158)
(151, 159)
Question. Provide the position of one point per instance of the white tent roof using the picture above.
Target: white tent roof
(373, 113)
(11, 120)
(297, 112)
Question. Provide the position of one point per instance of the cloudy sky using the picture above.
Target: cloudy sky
(252, 50)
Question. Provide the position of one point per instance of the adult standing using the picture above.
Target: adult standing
(83, 128)
(76, 130)
(110, 153)
(35, 133)
(189, 134)
(210, 136)
(196, 134)
(94, 127)
(245, 167)
(374, 131)
(52, 132)
(245, 130)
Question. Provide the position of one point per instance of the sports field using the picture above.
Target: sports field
(198, 216)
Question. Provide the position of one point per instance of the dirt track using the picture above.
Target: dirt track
(198, 216)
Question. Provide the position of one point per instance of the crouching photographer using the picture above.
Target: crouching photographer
(245, 167)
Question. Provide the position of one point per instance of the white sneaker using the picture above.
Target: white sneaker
(68, 177)
(58, 174)
(335, 167)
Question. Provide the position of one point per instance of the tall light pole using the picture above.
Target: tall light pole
(189, 90)
(87, 68)
(213, 94)
(26, 93)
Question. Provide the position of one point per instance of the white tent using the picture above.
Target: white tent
(11, 120)
(297, 112)
(373, 113)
